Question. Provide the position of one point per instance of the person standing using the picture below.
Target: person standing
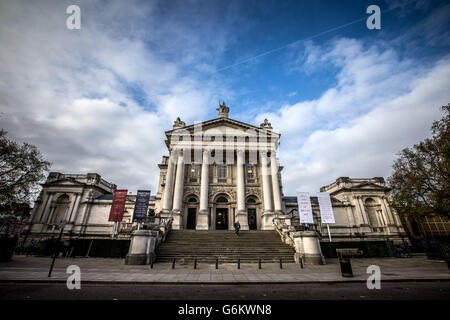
(237, 226)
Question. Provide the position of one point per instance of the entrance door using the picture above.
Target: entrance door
(251, 219)
(192, 212)
(221, 219)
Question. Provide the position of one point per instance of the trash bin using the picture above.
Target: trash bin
(346, 267)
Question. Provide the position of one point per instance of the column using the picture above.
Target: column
(202, 217)
(179, 183)
(386, 213)
(390, 213)
(242, 216)
(178, 193)
(168, 187)
(47, 208)
(73, 211)
(50, 216)
(267, 216)
(275, 183)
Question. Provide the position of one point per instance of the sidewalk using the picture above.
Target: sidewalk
(99, 270)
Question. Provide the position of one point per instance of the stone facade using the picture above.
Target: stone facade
(216, 172)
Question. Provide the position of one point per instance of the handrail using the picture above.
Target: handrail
(278, 227)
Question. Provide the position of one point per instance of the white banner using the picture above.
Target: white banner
(326, 210)
(304, 207)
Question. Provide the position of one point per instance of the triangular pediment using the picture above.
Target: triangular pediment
(64, 182)
(368, 185)
(222, 126)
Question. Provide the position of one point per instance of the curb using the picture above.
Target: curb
(225, 283)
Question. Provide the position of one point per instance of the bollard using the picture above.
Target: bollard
(301, 263)
(259, 264)
(151, 264)
(195, 263)
(217, 263)
(239, 263)
(281, 264)
(346, 267)
(173, 263)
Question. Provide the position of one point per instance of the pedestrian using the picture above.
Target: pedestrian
(237, 226)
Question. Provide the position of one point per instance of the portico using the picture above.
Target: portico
(214, 169)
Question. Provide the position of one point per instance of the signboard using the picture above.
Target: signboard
(304, 207)
(141, 206)
(326, 210)
(118, 205)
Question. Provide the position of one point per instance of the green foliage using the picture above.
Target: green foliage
(420, 180)
(22, 168)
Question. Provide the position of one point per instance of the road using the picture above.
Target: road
(347, 291)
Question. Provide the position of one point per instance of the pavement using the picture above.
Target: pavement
(114, 271)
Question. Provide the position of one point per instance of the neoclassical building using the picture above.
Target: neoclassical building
(215, 173)
(220, 171)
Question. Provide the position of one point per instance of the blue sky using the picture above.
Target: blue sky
(345, 99)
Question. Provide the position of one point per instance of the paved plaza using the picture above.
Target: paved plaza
(100, 270)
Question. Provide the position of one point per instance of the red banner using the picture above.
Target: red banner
(118, 205)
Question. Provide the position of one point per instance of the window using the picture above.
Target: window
(222, 171)
(222, 200)
(194, 171)
(250, 172)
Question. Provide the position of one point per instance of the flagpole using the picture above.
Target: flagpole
(329, 234)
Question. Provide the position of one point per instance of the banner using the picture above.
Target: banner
(118, 205)
(326, 210)
(141, 206)
(304, 207)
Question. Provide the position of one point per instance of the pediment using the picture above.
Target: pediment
(64, 182)
(222, 126)
(369, 185)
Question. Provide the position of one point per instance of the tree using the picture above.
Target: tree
(22, 168)
(420, 180)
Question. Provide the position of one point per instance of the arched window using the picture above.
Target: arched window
(62, 206)
(192, 200)
(222, 200)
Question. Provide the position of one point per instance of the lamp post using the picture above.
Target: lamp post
(61, 225)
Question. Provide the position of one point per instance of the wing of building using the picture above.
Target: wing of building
(215, 173)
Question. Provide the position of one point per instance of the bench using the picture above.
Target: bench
(349, 252)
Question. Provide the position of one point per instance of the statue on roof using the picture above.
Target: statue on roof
(179, 124)
(223, 110)
(266, 124)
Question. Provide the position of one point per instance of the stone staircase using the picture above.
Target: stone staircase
(206, 246)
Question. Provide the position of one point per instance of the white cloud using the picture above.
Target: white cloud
(380, 105)
(99, 99)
